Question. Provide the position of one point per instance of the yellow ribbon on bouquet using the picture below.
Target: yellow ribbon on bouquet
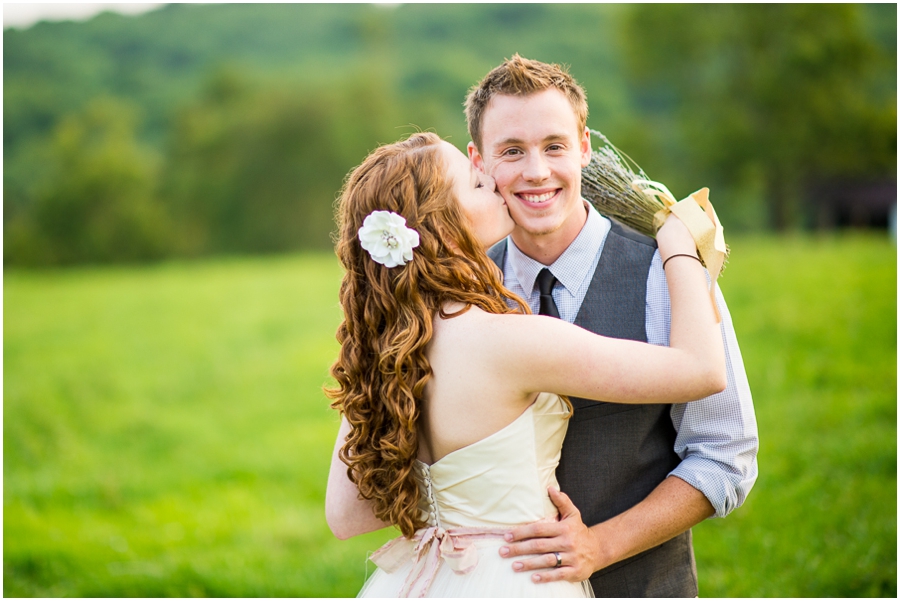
(698, 214)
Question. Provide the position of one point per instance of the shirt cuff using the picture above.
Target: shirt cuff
(725, 487)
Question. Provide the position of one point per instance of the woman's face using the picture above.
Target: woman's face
(478, 197)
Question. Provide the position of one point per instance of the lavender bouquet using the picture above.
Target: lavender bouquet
(619, 188)
(607, 183)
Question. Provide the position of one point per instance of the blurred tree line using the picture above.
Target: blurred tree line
(201, 129)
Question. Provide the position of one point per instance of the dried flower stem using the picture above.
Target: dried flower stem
(606, 184)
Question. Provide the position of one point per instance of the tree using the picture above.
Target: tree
(256, 166)
(97, 201)
(790, 93)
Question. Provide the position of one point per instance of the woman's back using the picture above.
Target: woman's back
(466, 399)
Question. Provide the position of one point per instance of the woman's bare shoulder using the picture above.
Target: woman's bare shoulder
(492, 330)
(461, 321)
(477, 317)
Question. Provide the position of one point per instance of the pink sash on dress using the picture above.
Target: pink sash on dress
(428, 547)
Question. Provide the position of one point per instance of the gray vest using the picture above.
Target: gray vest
(614, 455)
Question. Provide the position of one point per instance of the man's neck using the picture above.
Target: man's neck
(547, 248)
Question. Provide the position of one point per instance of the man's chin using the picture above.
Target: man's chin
(530, 232)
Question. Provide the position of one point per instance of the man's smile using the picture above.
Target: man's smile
(537, 197)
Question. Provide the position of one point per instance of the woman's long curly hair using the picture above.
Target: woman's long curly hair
(382, 368)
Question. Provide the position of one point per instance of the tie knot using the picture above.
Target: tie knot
(545, 281)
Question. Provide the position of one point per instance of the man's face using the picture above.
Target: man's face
(532, 147)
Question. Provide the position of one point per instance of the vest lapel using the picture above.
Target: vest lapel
(497, 253)
(615, 303)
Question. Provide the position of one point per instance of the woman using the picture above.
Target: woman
(446, 432)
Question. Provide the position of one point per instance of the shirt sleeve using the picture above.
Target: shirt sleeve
(717, 437)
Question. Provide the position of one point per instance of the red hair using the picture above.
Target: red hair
(382, 368)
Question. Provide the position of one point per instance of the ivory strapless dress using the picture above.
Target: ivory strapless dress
(470, 499)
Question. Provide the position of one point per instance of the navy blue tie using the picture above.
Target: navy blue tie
(545, 282)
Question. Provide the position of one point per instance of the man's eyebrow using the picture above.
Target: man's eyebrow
(509, 141)
(515, 141)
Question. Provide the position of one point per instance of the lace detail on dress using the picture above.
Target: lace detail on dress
(428, 503)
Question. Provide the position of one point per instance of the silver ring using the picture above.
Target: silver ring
(558, 559)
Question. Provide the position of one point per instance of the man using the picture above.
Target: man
(640, 476)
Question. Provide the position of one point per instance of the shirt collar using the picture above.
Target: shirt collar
(571, 268)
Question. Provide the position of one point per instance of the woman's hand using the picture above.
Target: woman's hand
(675, 238)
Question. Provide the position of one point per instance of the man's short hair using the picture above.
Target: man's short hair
(519, 76)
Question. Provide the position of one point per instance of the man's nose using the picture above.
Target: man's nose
(536, 168)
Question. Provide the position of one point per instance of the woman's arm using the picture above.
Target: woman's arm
(347, 515)
(694, 327)
(546, 354)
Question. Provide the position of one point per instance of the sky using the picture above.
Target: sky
(23, 15)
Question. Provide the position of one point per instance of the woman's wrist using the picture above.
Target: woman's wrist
(672, 256)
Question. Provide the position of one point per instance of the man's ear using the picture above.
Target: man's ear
(585, 148)
(475, 156)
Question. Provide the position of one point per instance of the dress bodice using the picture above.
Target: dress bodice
(470, 499)
(502, 479)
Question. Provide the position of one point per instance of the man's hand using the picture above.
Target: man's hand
(576, 544)
(673, 507)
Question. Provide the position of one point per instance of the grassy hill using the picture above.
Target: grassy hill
(165, 433)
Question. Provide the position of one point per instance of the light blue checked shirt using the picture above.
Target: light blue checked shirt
(717, 437)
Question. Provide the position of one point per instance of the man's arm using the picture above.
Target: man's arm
(717, 438)
(717, 441)
(673, 507)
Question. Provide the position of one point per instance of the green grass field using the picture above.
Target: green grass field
(165, 433)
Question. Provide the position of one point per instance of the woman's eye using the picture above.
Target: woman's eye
(479, 185)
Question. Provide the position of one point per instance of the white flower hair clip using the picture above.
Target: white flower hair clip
(387, 239)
